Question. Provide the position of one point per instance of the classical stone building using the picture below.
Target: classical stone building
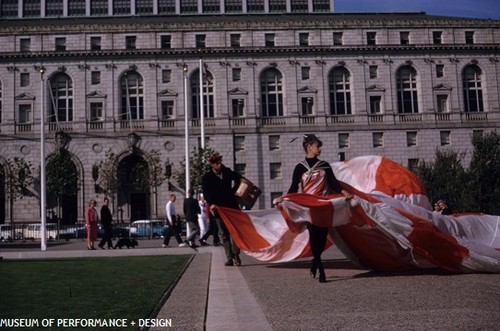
(120, 76)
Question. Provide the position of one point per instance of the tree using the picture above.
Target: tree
(484, 173)
(62, 176)
(105, 174)
(198, 168)
(150, 173)
(445, 178)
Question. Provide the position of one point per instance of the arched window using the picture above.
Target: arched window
(473, 92)
(271, 92)
(339, 87)
(61, 98)
(132, 96)
(406, 80)
(208, 94)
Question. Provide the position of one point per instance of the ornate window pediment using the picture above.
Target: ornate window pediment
(96, 94)
(167, 93)
(25, 96)
(442, 87)
(375, 88)
(238, 91)
(307, 90)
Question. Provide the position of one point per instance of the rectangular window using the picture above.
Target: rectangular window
(373, 72)
(201, 41)
(166, 75)
(343, 140)
(437, 37)
(269, 39)
(25, 113)
(305, 73)
(236, 73)
(95, 43)
(338, 39)
(411, 138)
(303, 39)
(439, 70)
(238, 107)
(60, 44)
(235, 40)
(96, 111)
(239, 143)
(404, 38)
(130, 42)
(240, 168)
(469, 37)
(25, 79)
(274, 143)
(25, 45)
(442, 103)
(166, 42)
(95, 77)
(375, 104)
(444, 137)
(275, 170)
(307, 104)
(413, 164)
(371, 38)
(378, 139)
(167, 109)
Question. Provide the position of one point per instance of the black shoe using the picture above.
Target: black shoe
(313, 269)
(237, 260)
(229, 263)
(203, 243)
(322, 278)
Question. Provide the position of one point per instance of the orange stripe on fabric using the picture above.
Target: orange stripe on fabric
(242, 229)
(391, 178)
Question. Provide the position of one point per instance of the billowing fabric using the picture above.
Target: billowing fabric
(387, 226)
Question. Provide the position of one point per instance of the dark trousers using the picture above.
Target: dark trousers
(213, 230)
(227, 241)
(106, 238)
(172, 230)
(317, 240)
(195, 229)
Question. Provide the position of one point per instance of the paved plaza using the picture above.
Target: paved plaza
(262, 296)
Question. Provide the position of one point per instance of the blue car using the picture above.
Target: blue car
(148, 228)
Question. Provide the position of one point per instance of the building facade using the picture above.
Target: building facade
(398, 85)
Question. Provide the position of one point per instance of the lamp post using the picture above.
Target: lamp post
(186, 128)
(43, 182)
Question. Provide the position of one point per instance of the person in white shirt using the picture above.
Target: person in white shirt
(174, 227)
(202, 219)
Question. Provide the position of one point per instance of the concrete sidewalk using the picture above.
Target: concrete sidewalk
(263, 296)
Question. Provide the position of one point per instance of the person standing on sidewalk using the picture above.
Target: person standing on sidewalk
(191, 211)
(219, 185)
(173, 227)
(91, 219)
(107, 225)
(314, 176)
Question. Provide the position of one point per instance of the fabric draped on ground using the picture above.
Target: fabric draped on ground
(387, 226)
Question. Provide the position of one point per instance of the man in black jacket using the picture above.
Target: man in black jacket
(219, 185)
(107, 224)
(191, 211)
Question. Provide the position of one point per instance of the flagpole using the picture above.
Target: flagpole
(186, 130)
(43, 182)
(202, 108)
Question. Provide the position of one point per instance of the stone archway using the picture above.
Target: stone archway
(133, 197)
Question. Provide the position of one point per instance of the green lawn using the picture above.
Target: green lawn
(92, 288)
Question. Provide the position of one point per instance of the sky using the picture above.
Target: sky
(458, 8)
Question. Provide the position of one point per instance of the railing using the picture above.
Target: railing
(208, 122)
(61, 126)
(481, 116)
(410, 118)
(238, 122)
(24, 127)
(341, 119)
(167, 124)
(96, 126)
(307, 120)
(375, 118)
(273, 121)
(443, 117)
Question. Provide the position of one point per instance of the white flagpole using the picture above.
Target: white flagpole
(202, 108)
(43, 212)
(186, 130)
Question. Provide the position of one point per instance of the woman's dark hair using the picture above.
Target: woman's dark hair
(310, 139)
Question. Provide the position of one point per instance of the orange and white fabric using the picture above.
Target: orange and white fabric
(387, 226)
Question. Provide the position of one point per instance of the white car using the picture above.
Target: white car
(6, 233)
(34, 231)
(148, 228)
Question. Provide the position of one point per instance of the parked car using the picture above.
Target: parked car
(34, 231)
(118, 232)
(6, 233)
(148, 228)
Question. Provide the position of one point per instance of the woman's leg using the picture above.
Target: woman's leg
(317, 239)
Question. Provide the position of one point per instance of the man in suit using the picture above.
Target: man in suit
(107, 225)
(219, 185)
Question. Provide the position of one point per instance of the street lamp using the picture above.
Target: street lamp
(43, 182)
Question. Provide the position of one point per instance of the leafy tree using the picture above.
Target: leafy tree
(484, 173)
(198, 168)
(151, 172)
(445, 178)
(62, 176)
(105, 174)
